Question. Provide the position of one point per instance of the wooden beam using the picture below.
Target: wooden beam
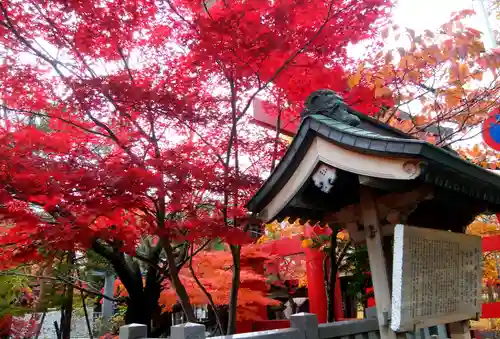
(284, 247)
(357, 234)
(322, 151)
(385, 205)
(378, 268)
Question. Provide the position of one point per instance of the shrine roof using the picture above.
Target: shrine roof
(442, 167)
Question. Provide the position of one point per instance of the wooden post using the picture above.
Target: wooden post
(459, 330)
(315, 280)
(376, 257)
(338, 300)
(316, 283)
(388, 254)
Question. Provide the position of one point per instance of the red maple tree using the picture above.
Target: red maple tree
(208, 280)
(123, 120)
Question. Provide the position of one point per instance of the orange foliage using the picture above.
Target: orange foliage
(213, 269)
(486, 226)
(485, 157)
(279, 230)
(437, 73)
(119, 289)
(291, 269)
(481, 155)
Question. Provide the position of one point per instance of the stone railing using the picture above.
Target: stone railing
(302, 326)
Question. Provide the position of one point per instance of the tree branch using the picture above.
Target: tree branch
(193, 253)
(289, 59)
(205, 291)
(63, 280)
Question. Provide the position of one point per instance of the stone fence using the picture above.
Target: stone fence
(303, 326)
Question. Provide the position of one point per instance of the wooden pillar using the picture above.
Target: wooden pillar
(376, 257)
(339, 313)
(459, 330)
(316, 283)
(388, 254)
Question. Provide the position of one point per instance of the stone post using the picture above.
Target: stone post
(187, 331)
(107, 305)
(371, 313)
(133, 331)
(307, 323)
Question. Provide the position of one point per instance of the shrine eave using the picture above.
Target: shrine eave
(440, 167)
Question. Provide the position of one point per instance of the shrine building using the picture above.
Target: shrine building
(348, 170)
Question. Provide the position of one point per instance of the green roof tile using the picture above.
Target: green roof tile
(445, 167)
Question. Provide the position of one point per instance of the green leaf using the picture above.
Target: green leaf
(218, 245)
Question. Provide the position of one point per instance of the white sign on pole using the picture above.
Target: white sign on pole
(436, 278)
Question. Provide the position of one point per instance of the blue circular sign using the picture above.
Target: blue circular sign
(491, 130)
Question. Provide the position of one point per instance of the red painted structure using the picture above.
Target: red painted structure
(316, 290)
(262, 117)
(315, 282)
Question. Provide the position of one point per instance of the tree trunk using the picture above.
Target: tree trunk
(67, 306)
(276, 138)
(152, 292)
(137, 312)
(235, 286)
(41, 324)
(142, 302)
(141, 310)
(161, 325)
(58, 331)
(332, 278)
(44, 286)
(87, 320)
(180, 290)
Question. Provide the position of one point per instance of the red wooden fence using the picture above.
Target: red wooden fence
(491, 310)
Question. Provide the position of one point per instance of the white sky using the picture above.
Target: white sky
(430, 14)
(426, 14)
